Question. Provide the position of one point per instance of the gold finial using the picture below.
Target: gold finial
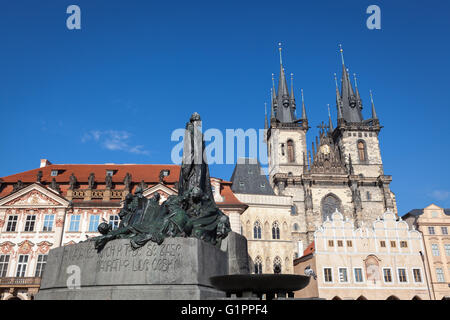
(280, 49)
(342, 53)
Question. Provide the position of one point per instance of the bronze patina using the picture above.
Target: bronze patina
(191, 213)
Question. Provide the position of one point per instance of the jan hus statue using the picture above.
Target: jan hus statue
(191, 213)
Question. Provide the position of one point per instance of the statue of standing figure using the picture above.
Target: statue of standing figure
(191, 213)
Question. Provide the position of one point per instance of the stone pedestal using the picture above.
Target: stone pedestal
(178, 269)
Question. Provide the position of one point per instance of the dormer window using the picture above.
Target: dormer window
(54, 173)
(241, 184)
(110, 173)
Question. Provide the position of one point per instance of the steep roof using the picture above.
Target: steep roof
(249, 178)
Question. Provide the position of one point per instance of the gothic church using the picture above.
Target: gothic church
(343, 170)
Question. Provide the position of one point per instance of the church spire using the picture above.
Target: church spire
(330, 125)
(304, 116)
(350, 102)
(293, 104)
(374, 112)
(338, 99)
(285, 107)
(266, 123)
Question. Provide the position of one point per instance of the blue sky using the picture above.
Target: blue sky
(114, 91)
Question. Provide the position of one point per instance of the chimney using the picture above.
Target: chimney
(45, 163)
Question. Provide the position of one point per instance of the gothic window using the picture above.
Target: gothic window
(329, 205)
(282, 149)
(290, 149)
(369, 196)
(257, 230)
(296, 227)
(275, 231)
(277, 265)
(362, 151)
(293, 210)
(258, 265)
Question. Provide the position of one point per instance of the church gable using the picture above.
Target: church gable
(163, 191)
(33, 195)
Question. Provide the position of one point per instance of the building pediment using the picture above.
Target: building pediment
(34, 195)
(163, 190)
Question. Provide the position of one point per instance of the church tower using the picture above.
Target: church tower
(286, 134)
(342, 171)
(358, 141)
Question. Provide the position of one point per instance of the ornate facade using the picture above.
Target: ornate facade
(380, 262)
(343, 170)
(58, 205)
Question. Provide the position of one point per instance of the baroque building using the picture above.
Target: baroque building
(433, 223)
(343, 169)
(382, 261)
(57, 205)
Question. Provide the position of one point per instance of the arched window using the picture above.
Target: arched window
(257, 230)
(290, 151)
(362, 150)
(296, 227)
(275, 231)
(329, 205)
(277, 265)
(293, 210)
(258, 265)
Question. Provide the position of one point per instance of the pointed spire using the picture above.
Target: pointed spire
(356, 87)
(374, 112)
(330, 125)
(292, 88)
(266, 124)
(304, 116)
(350, 103)
(338, 99)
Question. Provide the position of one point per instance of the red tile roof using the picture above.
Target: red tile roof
(310, 249)
(147, 172)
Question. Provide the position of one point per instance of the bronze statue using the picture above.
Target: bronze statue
(191, 213)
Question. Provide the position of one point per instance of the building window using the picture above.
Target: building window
(402, 277)
(393, 244)
(110, 173)
(54, 173)
(431, 230)
(4, 262)
(369, 196)
(93, 223)
(293, 210)
(349, 243)
(275, 231)
(12, 224)
(330, 204)
(417, 275)
(282, 149)
(403, 244)
(257, 230)
(343, 275)
(447, 249)
(41, 261)
(74, 223)
(328, 274)
(22, 266)
(258, 265)
(440, 275)
(277, 265)
(48, 223)
(330, 243)
(114, 222)
(296, 227)
(362, 151)
(444, 230)
(383, 244)
(358, 275)
(290, 149)
(435, 249)
(340, 243)
(29, 223)
(387, 275)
